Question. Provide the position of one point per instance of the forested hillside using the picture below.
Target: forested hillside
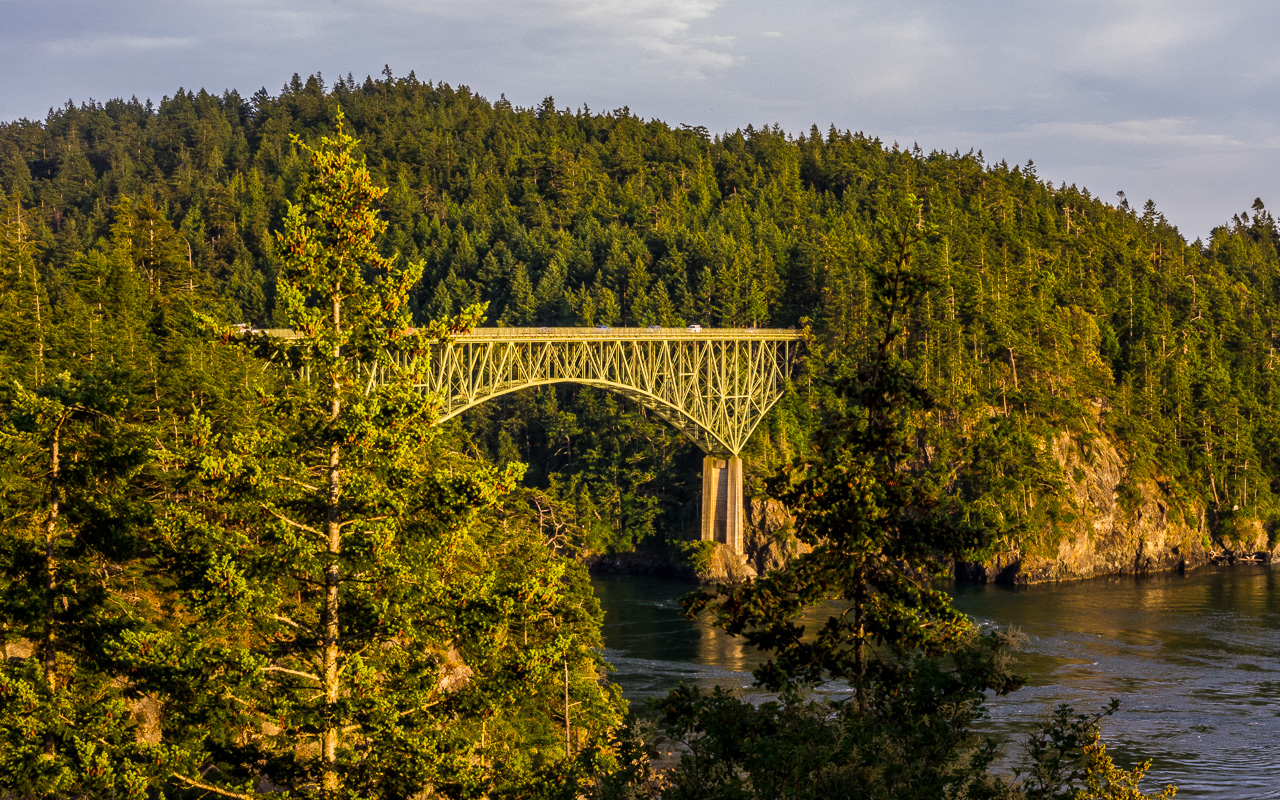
(1050, 311)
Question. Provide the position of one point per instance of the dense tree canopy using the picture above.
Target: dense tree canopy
(1048, 306)
(183, 514)
(231, 567)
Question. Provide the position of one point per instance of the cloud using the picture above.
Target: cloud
(96, 45)
(901, 56)
(1140, 39)
(664, 33)
(1173, 99)
(1167, 132)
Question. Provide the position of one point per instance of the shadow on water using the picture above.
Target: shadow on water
(1194, 660)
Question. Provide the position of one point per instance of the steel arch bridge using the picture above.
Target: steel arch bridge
(714, 386)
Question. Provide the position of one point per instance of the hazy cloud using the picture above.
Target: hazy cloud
(1144, 38)
(660, 31)
(98, 44)
(1168, 132)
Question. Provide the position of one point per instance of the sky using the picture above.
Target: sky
(1166, 100)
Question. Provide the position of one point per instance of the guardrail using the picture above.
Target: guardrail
(550, 333)
(608, 332)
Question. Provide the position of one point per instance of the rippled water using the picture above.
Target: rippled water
(1194, 660)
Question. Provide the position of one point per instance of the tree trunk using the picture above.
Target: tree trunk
(568, 744)
(48, 649)
(35, 294)
(860, 645)
(333, 529)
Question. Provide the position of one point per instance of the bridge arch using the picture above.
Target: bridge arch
(705, 438)
(714, 386)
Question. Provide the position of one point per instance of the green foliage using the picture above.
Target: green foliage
(915, 741)
(878, 527)
(77, 741)
(1041, 312)
(371, 631)
(1066, 760)
(1105, 781)
(697, 554)
(882, 525)
(881, 529)
(74, 526)
(1056, 753)
(919, 740)
(190, 651)
(24, 300)
(1046, 308)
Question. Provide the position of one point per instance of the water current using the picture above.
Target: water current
(1194, 660)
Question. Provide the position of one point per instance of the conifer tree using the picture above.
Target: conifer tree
(552, 294)
(664, 312)
(25, 315)
(880, 530)
(521, 305)
(73, 532)
(637, 307)
(345, 591)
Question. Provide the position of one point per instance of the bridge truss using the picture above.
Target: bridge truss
(714, 386)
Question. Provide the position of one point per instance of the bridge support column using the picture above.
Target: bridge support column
(722, 508)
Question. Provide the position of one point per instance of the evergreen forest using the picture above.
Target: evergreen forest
(1050, 307)
(169, 575)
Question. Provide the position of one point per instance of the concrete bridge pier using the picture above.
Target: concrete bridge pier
(723, 518)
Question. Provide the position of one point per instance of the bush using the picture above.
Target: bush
(697, 554)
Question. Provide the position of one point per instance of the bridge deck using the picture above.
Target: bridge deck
(632, 334)
(603, 334)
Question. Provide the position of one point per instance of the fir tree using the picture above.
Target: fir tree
(354, 606)
(74, 530)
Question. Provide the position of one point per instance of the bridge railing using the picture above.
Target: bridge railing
(609, 332)
(597, 333)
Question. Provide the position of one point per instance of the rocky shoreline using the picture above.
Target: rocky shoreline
(1104, 540)
(728, 567)
(1121, 524)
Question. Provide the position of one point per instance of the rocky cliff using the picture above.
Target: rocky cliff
(1118, 524)
(1112, 524)
(1107, 522)
(769, 541)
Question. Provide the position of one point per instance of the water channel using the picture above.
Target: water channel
(1194, 660)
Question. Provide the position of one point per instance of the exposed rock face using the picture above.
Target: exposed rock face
(454, 672)
(727, 566)
(18, 648)
(146, 713)
(1113, 524)
(769, 541)
(1120, 526)
(1116, 525)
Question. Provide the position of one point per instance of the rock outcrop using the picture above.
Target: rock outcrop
(1111, 524)
(769, 541)
(726, 566)
(1117, 525)
(1107, 523)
